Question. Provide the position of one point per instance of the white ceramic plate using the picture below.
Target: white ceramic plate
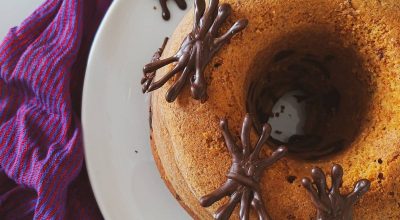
(123, 175)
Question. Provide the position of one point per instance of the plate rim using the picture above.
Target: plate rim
(93, 79)
(93, 50)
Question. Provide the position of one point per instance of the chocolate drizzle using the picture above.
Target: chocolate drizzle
(165, 11)
(330, 203)
(196, 51)
(244, 175)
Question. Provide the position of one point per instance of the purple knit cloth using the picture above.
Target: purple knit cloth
(42, 66)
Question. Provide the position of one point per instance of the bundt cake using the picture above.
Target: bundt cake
(344, 55)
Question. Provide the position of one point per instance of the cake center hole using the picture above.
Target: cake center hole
(288, 116)
(314, 98)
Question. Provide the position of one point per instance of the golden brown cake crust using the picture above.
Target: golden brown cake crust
(188, 145)
(166, 181)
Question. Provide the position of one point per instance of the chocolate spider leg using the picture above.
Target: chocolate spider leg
(146, 84)
(179, 67)
(153, 66)
(226, 210)
(162, 48)
(208, 18)
(245, 204)
(360, 188)
(245, 135)
(261, 141)
(237, 27)
(258, 204)
(320, 182)
(174, 91)
(224, 11)
(337, 179)
(225, 190)
(276, 155)
(145, 78)
(230, 143)
(149, 76)
(165, 11)
(306, 182)
(181, 4)
(198, 82)
(199, 9)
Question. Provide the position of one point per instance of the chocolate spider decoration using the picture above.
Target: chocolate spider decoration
(165, 11)
(197, 50)
(330, 203)
(148, 78)
(244, 175)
